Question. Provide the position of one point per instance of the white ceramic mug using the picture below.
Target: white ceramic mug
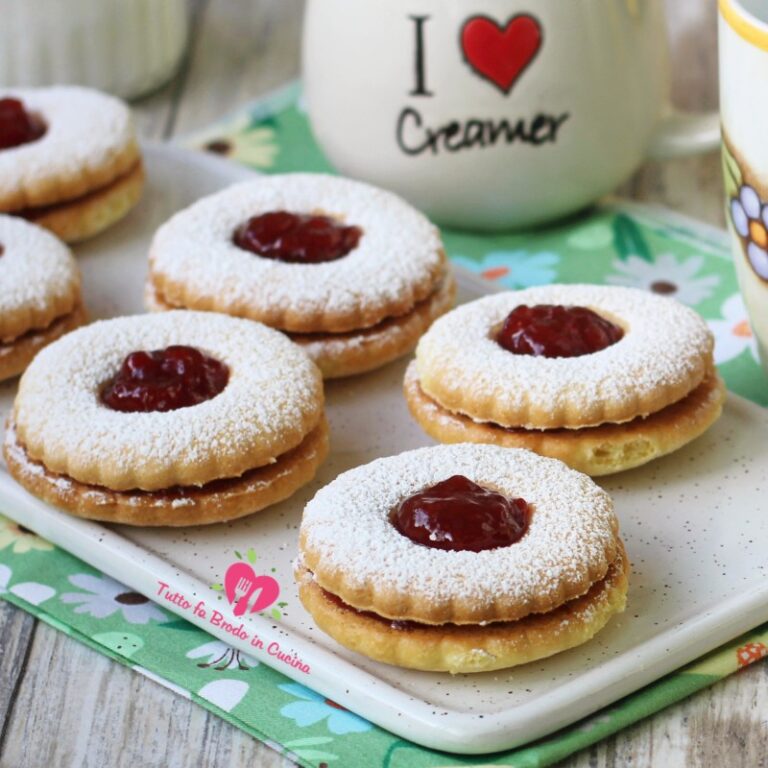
(493, 114)
(125, 47)
(743, 43)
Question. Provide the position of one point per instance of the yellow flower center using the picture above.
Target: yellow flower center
(742, 330)
(757, 233)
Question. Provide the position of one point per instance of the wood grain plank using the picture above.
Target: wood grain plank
(725, 725)
(244, 50)
(691, 185)
(16, 632)
(78, 708)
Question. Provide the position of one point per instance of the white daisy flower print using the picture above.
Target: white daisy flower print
(733, 333)
(31, 592)
(104, 596)
(749, 215)
(219, 656)
(667, 276)
(242, 141)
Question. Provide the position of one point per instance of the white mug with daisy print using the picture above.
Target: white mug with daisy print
(494, 114)
(743, 40)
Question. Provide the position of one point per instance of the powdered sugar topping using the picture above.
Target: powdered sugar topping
(665, 345)
(347, 528)
(399, 247)
(85, 131)
(272, 400)
(36, 271)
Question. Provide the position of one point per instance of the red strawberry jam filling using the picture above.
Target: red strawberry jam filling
(551, 330)
(17, 126)
(164, 380)
(457, 514)
(296, 237)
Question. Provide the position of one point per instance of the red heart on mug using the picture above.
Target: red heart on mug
(501, 54)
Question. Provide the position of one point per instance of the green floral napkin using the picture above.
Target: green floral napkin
(617, 244)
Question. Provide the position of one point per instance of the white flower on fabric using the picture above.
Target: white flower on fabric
(105, 596)
(20, 539)
(733, 333)
(225, 694)
(33, 592)
(749, 216)
(5, 577)
(667, 276)
(253, 145)
(220, 656)
(29, 591)
(312, 708)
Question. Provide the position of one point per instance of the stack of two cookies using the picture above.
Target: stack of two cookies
(69, 160)
(604, 379)
(462, 558)
(40, 298)
(182, 418)
(352, 274)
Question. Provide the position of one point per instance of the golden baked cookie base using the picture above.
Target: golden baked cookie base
(215, 502)
(347, 354)
(395, 605)
(463, 649)
(596, 451)
(463, 368)
(16, 355)
(489, 408)
(54, 190)
(74, 220)
(330, 320)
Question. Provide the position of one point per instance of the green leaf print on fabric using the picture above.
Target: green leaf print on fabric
(628, 238)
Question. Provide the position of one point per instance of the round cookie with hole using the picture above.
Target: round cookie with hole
(603, 378)
(69, 159)
(40, 299)
(351, 273)
(461, 558)
(181, 418)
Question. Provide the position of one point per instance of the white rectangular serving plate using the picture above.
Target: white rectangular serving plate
(695, 526)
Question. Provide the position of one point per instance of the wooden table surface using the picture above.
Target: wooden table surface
(62, 704)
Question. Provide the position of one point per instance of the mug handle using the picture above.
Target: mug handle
(685, 133)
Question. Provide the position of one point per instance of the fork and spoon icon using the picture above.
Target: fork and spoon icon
(243, 593)
(254, 594)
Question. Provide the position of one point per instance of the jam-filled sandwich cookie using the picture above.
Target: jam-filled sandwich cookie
(182, 418)
(69, 160)
(602, 378)
(351, 273)
(461, 558)
(39, 293)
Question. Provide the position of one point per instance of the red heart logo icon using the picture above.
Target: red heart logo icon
(241, 583)
(501, 54)
(269, 591)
